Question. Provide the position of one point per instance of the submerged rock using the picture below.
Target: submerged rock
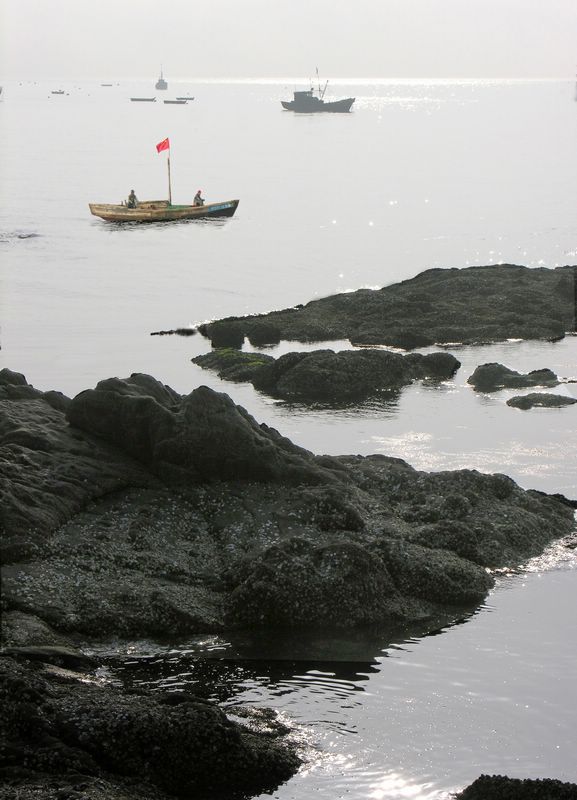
(492, 377)
(540, 399)
(477, 304)
(325, 376)
(141, 512)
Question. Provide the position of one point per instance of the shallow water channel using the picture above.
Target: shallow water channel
(411, 716)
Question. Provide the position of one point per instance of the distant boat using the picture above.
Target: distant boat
(57, 91)
(185, 98)
(313, 102)
(177, 102)
(161, 211)
(143, 99)
(161, 83)
(106, 84)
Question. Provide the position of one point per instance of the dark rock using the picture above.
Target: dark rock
(473, 305)
(223, 334)
(234, 365)
(156, 514)
(295, 584)
(491, 377)
(540, 399)
(436, 575)
(197, 438)
(48, 472)
(262, 334)
(175, 332)
(498, 787)
(52, 654)
(56, 728)
(323, 375)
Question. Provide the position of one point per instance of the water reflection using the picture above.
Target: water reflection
(247, 666)
(401, 714)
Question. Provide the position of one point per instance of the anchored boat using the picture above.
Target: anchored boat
(313, 101)
(161, 83)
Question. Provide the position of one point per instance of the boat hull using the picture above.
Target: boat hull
(319, 106)
(161, 211)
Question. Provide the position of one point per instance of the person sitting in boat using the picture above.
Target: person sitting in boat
(132, 201)
(198, 199)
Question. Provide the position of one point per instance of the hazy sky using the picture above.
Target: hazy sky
(281, 38)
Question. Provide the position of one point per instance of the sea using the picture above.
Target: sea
(421, 174)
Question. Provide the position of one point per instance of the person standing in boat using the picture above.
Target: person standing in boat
(132, 201)
(198, 199)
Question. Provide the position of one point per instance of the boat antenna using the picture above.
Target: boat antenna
(318, 80)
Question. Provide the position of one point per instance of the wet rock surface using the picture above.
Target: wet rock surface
(133, 511)
(149, 513)
(499, 787)
(540, 399)
(473, 305)
(66, 734)
(492, 377)
(325, 376)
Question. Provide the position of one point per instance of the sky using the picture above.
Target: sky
(110, 39)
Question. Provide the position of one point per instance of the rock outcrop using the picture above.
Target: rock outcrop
(492, 377)
(135, 511)
(326, 376)
(132, 511)
(499, 787)
(70, 735)
(540, 400)
(473, 305)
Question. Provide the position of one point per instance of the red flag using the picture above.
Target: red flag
(164, 145)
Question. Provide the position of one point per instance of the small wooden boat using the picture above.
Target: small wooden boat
(143, 99)
(175, 102)
(161, 211)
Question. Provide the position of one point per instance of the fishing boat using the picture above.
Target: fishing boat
(57, 91)
(175, 102)
(185, 98)
(161, 83)
(161, 211)
(313, 101)
(143, 99)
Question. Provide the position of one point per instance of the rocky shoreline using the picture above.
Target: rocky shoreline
(439, 306)
(133, 511)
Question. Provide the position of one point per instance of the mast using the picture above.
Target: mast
(324, 90)
(318, 80)
(169, 186)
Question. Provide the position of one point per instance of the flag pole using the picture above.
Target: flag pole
(169, 188)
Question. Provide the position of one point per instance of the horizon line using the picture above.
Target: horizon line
(301, 79)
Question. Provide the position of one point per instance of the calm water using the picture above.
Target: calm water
(420, 175)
